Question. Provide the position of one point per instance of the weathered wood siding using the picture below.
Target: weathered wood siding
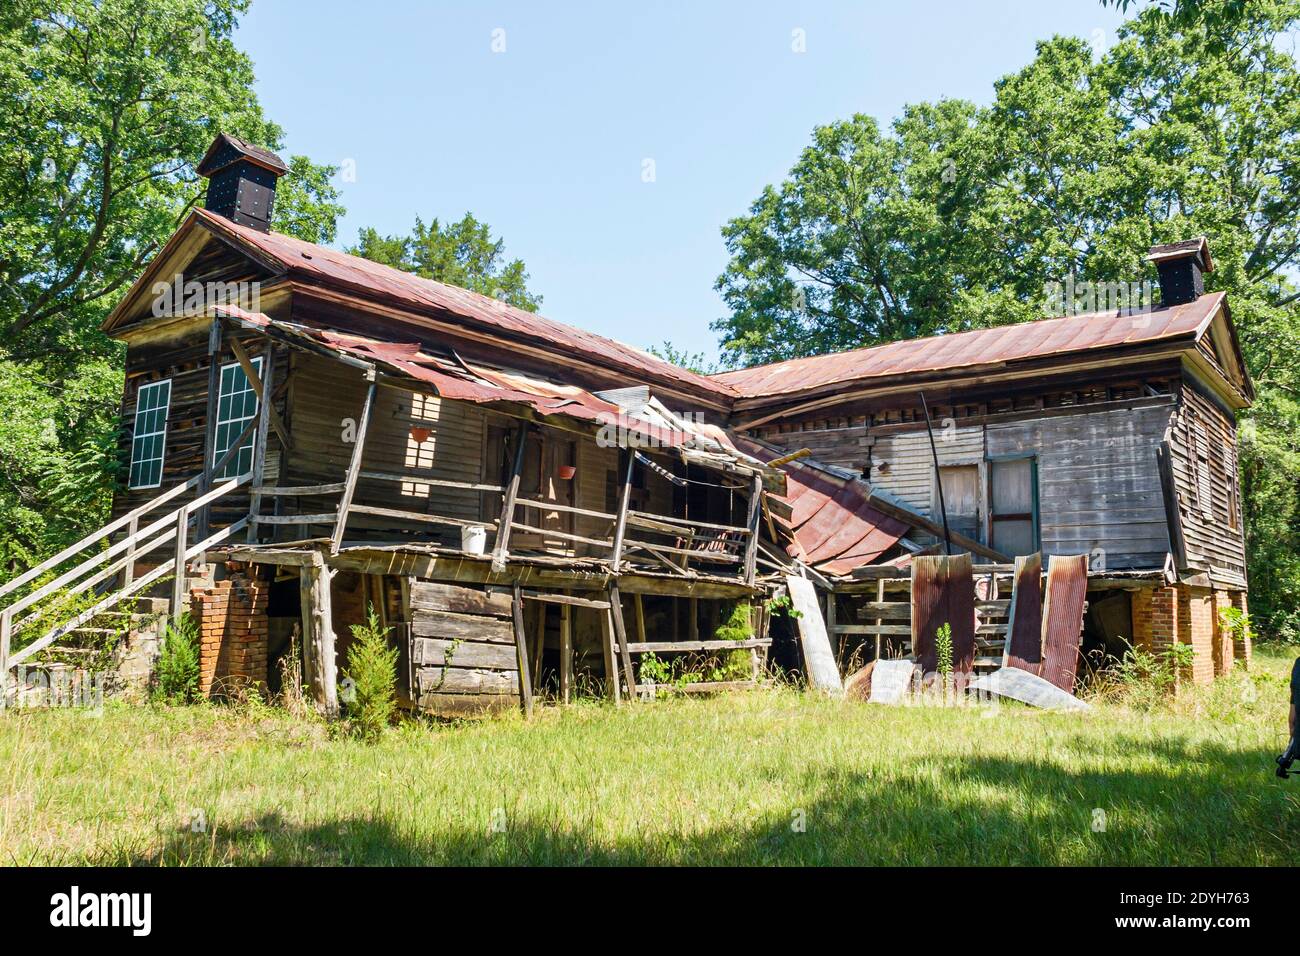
(325, 402)
(185, 362)
(1098, 483)
(1203, 446)
(902, 463)
(462, 648)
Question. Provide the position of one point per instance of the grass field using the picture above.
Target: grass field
(775, 777)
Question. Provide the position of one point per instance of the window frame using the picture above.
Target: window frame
(1035, 515)
(136, 435)
(217, 450)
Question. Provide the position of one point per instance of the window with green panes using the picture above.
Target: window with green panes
(236, 407)
(149, 438)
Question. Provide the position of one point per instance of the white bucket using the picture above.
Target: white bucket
(473, 539)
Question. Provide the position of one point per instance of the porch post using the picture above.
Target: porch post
(521, 652)
(755, 512)
(620, 524)
(318, 633)
(210, 424)
(264, 411)
(508, 504)
(354, 468)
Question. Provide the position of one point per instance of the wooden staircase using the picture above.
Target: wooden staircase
(109, 568)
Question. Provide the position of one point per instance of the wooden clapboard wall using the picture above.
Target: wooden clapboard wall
(325, 396)
(1098, 482)
(462, 649)
(185, 362)
(1203, 456)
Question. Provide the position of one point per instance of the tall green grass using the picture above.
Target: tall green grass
(775, 777)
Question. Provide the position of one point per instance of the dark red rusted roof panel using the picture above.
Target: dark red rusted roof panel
(1067, 590)
(943, 592)
(469, 384)
(1027, 340)
(1025, 628)
(420, 294)
(834, 528)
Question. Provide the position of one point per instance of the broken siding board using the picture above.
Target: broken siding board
(819, 658)
(474, 627)
(459, 653)
(943, 592)
(1067, 591)
(462, 680)
(432, 596)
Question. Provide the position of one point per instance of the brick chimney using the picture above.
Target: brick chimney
(241, 181)
(1181, 266)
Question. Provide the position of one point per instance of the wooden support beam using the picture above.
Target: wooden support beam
(620, 634)
(6, 632)
(178, 578)
(210, 422)
(612, 683)
(508, 504)
(620, 522)
(318, 630)
(539, 648)
(261, 386)
(755, 513)
(265, 410)
(521, 652)
(354, 469)
(640, 617)
(566, 652)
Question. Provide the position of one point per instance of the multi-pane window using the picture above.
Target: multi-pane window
(149, 439)
(236, 407)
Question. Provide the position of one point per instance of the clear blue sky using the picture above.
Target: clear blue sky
(547, 140)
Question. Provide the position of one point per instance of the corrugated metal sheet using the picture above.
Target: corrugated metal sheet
(981, 347)
(395, 286)
(833, 527)
(943, 592)
(1067, 590)
(470, 384)
(1024, 648)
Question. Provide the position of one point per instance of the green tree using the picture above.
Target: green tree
(106, 106)
(460, 253)
(697, 362)
(958, 217)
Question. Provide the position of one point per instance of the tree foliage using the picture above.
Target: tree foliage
(459, 253)
(957, 217)
(106, 106)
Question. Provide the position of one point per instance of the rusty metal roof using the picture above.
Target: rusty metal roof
(468, 383)
(375, 280)
(978, 348)
(833, 527)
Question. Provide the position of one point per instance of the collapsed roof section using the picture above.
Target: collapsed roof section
(826, 518)
(644, 424)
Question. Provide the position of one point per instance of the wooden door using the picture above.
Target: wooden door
(1013, 518)
(961, 499)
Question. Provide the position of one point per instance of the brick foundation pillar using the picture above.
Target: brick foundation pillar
(1181, 614)
(233, 628)
(1155, 618)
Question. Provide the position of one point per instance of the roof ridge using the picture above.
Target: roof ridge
(487, 302)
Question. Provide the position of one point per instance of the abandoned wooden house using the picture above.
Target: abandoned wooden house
(526, 506)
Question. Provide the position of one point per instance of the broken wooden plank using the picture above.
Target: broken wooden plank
(431, 596)
(819, 658)
(439, 652)
(465, 627)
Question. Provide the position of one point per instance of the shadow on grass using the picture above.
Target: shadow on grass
(1203, 804)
